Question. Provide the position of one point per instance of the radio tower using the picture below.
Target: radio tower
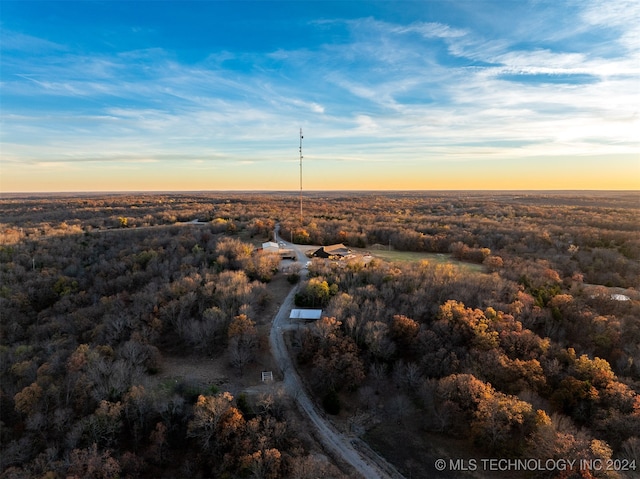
(301, 176)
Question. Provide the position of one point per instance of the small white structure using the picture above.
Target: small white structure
(267, 376)
(306, 314)
(620, 297)
(270, 247)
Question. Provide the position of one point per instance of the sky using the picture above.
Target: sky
(390, 95)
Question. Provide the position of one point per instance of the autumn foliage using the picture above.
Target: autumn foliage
(526, 354)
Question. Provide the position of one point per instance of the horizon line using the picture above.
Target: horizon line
(297, 192)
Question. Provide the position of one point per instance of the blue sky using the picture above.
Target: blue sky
(435, 94)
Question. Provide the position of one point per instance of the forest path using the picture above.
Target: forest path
(352, 451)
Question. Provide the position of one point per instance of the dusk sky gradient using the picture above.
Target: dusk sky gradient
(210, 95)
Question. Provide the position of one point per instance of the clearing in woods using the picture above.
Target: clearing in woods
(414, 256)
(212, 368)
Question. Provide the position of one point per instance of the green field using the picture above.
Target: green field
(412, 256)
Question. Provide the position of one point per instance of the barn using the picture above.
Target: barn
(334, 251)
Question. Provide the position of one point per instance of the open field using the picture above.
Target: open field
(413, 256)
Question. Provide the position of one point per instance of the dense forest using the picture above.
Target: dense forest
(535, 354)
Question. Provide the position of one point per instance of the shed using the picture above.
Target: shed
(306, 314)
(620, 297)
(270, 247)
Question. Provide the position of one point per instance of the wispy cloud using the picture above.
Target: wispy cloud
(413, 92)
(13, 41)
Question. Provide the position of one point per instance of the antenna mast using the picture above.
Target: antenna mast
(301, 176)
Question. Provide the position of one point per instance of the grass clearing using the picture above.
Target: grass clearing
(413, 256)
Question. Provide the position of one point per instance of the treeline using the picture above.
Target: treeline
(83, 333)
(599, 242)
(477, 356)
(593, 235)
(34, 217)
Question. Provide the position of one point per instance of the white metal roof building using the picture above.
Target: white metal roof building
(270, 247)
(306, 314)
(620, 297)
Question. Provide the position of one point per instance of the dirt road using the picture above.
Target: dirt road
(367, 463)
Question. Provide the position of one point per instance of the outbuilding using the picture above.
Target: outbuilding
(306, 314)
(620, 297)
(334, 251)
(270, 247)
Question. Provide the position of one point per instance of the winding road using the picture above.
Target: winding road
(352, 451)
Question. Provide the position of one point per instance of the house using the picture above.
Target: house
(334, 251)
(286, 253)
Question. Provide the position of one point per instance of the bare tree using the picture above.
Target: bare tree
(399, 408)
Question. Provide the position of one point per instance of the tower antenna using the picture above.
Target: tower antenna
(301, 137)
